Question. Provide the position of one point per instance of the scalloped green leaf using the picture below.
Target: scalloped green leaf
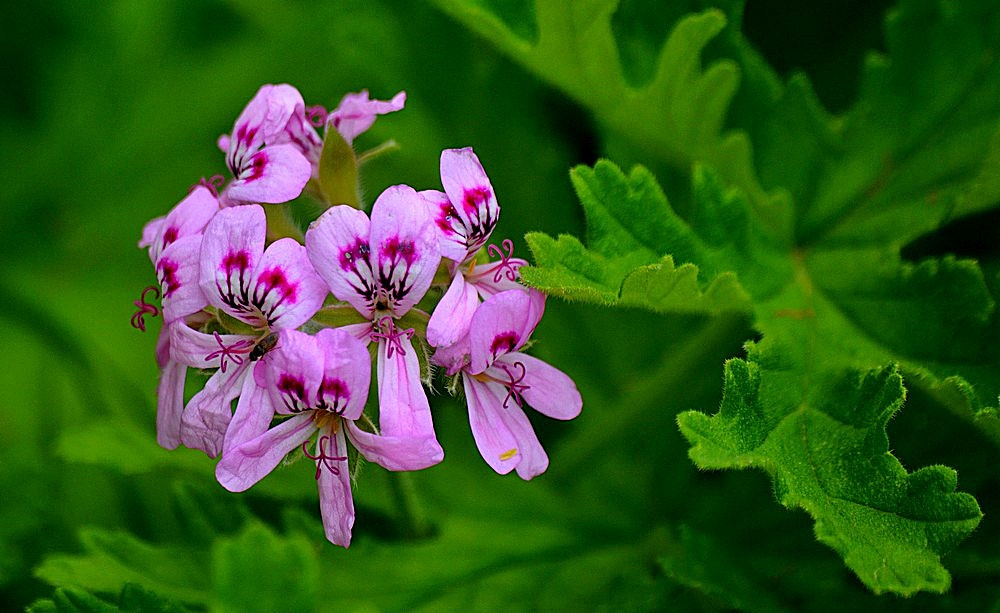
(829, 455)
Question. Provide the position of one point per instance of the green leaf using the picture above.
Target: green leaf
(133, 598)
(338, 171)
(829, 455)
(630, 228)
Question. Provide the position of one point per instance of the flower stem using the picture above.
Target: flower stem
(415, 524)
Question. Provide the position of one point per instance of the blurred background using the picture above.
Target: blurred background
(110, 111)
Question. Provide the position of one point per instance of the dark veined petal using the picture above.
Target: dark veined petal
(346, 374)
(338, 247)
(232, 245)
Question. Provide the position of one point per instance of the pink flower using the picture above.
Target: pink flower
(383, 267)
(465, 215)
(318, 385)
(266, 289)
(498, 379)
(266, 168)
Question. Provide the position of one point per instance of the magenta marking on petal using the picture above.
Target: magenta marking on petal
(473, 198)
(447, 218)
(506, 268)
(169, 236)
(321, 458)
(503, 343)
(145, 308)
(395, 248)
(392, 336)
(256, 168)
(514, 386)
(338, 392)
(234, 352)
(316, 115)
(293, 392)
(236, 260)
(166, 272)
(274, 280)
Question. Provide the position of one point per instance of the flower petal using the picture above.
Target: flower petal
(405, 247)
(338, 246)
(286, 288)
(177, 270)
(189, 216)
(495, 277)
(208, 413)
(496, 443)
(292, 372)
(246, 464)
(336, 504)
(230, 249)
(453, 314)
(253, 415)
(403, 407)
(170, 405)
(396, 452)
(471, 193)
(356, 113)
(502, 324)
(549, 390)
(274, 174)
(450, 227)
(347, 372)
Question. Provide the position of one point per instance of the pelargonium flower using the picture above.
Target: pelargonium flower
(355, 114)
(465, 215)
(266, 168)
(318, 385)
(498, 379)
(383, 266)
(266, 290)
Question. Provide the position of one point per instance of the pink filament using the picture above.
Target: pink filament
(505, 267)
(392, 337)
(234, 352)
(316, 115)
(212, 183)
(145, 308)
(321, 458)
(514, 386)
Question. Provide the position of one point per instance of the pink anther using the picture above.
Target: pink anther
(316, 115)
(145, 308)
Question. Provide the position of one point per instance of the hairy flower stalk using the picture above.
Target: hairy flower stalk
(281, 320)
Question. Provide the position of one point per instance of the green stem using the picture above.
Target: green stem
(415, 524)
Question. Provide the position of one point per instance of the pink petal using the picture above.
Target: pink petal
(208, 413)
(170, 405)
(453, 357)
(403, 407)
(232, 245)
(252, 417)
(150, 232)
(495, 277)
(494, 439)
(286, 289)
(336, 504)
(347, 370)
(471, 193)
(292, 372)
(274, 174)
(550, 391)
(246, 464)
(451, 317)
(200, 350)
(450, 227)
(178, 270)
(189, 216)
(501, 324)
(404, 245)
(395, 452)
(356, 113)
(338, 246)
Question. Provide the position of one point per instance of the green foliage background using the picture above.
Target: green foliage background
(110, 111)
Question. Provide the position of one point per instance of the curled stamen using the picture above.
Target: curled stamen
(321, 458)
(145, 308)
(514, 387)
(316, 115)
(212, 183)
(234, 352)
(392, 337)
(505, 267)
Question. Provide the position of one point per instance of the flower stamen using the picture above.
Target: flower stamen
(316, 115)
(392, 337)
(234, 352)
(506, 267)
(145, 308)
(321, 458)
(212, 184)
(514, 386)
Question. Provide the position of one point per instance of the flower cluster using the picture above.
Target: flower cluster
(288, 325)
